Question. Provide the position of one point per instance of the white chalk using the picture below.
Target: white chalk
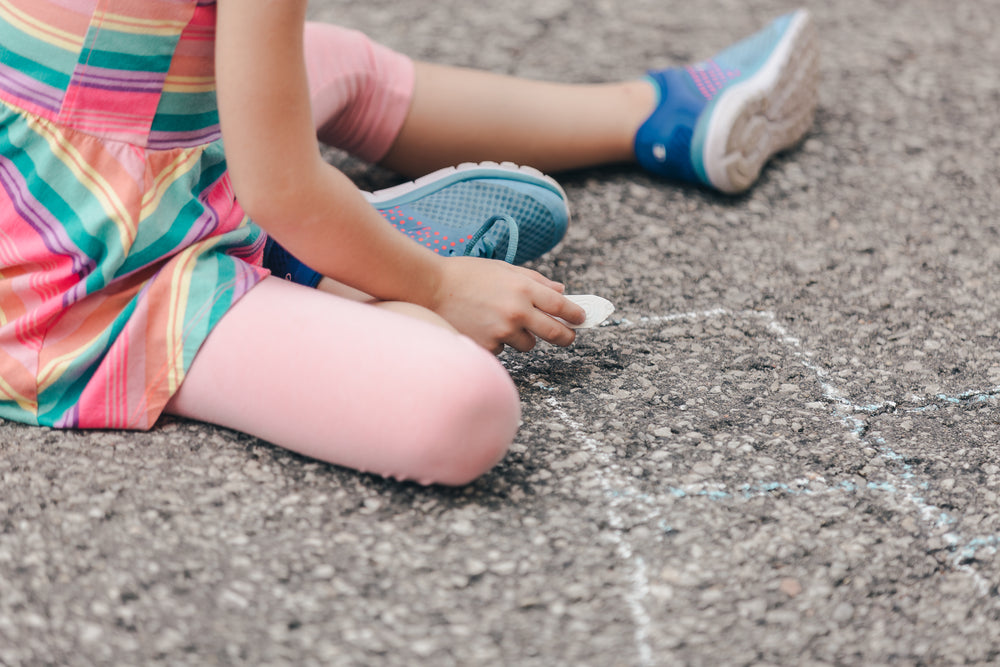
(597, 308)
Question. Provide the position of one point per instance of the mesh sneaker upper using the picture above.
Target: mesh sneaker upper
(446, 220)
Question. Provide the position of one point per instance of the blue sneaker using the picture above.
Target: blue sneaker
(718, 122)
(499, 211)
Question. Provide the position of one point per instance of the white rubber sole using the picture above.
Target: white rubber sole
(467, 171)
(766, 114)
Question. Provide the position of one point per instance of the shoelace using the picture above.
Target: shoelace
(512, 236)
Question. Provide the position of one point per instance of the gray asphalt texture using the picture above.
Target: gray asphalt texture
(783, 450)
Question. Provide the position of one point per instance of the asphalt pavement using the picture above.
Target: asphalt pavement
(782, 450)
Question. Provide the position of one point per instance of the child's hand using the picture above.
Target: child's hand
(497, 304)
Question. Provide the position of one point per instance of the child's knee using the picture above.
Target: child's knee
(478, 418)
(360, 90)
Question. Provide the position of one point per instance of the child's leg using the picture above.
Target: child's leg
(716, 122)
(354, 385)
(368, 98)
(460, 115)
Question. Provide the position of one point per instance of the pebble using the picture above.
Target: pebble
(791, 587)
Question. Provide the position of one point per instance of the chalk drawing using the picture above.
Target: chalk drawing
(613, 481)
(902, 481)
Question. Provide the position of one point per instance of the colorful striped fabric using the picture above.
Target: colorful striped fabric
(121, 244)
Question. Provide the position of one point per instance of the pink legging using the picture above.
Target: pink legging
(342, 381)
(361, 90)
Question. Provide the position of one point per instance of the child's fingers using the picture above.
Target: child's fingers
(539, 320)
(550, 330)
(557, 305)
(539, 278)
(522, 341)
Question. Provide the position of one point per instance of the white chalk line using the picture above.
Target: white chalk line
(639, 591)
(847, 410)
(903, 484)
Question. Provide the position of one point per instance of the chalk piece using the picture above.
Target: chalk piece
(598, 309)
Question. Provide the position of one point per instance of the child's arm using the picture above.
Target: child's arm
(320, 216)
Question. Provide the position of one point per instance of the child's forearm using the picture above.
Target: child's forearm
(328, 224)
(321, 217)
(277, 172)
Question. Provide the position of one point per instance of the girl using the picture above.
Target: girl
(131, 245)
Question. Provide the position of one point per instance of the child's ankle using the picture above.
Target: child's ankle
(643, 97)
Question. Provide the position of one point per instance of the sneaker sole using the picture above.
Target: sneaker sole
(766, 114)
(407, 193)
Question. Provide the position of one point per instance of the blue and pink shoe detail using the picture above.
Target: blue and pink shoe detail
(487, 209)
(719, 121)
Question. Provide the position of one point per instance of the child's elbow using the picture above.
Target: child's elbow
(272, 185)
(268, 201)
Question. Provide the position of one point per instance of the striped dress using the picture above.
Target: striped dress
(121, 244)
